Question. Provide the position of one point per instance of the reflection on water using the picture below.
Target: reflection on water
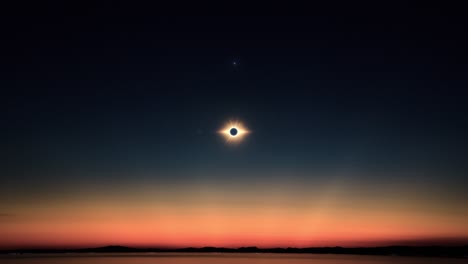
(217, 258)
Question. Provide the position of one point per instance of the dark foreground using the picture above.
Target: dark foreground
(216, 258)
(432, 251)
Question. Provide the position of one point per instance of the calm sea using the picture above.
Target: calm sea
(221, 258)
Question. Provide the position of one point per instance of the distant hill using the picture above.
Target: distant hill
(110, 249)
(429, 251)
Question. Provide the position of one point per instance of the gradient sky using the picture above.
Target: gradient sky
(110, 116)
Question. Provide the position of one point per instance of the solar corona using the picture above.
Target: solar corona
(234, 131)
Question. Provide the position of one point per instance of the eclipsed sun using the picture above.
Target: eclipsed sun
(234, 131)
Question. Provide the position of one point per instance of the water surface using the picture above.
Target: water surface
(217, 258)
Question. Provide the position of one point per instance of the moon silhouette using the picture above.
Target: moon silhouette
(233, 131)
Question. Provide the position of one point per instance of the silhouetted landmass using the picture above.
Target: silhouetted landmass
(428, 251)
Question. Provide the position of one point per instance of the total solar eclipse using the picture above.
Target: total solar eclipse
(234, 131)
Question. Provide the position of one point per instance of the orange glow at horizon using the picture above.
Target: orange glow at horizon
(219, 225)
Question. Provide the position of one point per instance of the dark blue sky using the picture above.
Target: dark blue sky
(101, 89)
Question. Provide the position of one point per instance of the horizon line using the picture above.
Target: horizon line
(170, 248)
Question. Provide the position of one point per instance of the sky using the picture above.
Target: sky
(110, 117)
